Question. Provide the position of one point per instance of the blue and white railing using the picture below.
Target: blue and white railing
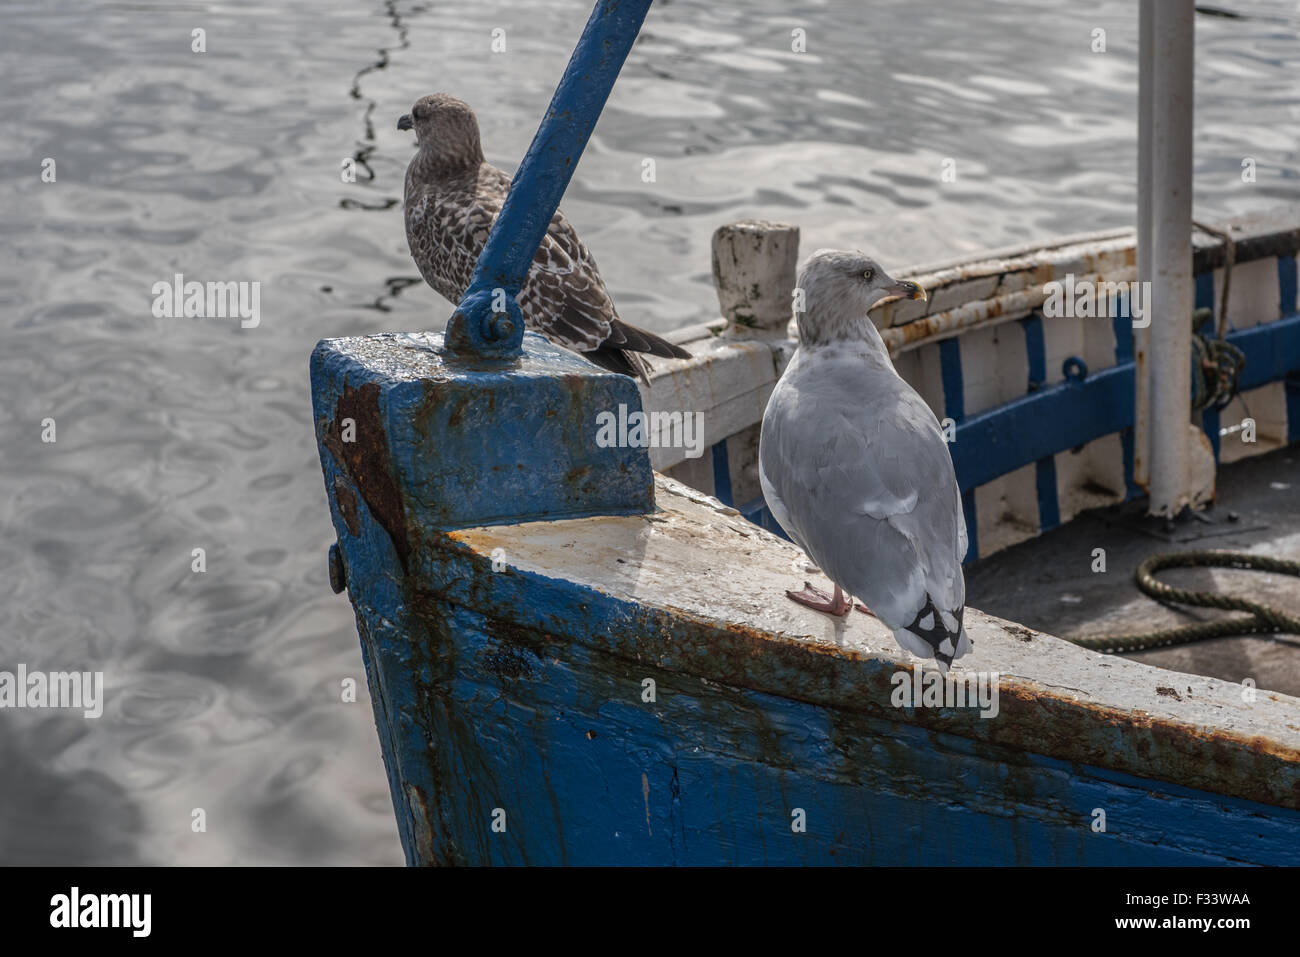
(1042, 416)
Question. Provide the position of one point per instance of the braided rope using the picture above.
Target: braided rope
(1217, 366)
(1263, 620)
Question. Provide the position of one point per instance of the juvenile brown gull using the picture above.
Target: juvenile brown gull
(452, 199)
(854, 466)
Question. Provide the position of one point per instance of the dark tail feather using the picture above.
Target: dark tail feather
(633, 339)
(618, 353)
(616, 360)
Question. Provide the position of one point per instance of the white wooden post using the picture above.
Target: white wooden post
(754, 267)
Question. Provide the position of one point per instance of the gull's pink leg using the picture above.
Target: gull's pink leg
(818, 600)
(864, 609)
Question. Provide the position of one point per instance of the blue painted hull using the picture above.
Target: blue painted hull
(509, 744)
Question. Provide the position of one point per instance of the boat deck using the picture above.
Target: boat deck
(1047, 583)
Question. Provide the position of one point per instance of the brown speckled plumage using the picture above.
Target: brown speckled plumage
(453, 197)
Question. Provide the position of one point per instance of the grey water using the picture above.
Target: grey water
(223, 702)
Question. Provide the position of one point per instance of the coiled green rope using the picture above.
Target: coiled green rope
(1263, 620)
(1216, 365)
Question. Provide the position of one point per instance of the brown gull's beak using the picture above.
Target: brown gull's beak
(404, 122)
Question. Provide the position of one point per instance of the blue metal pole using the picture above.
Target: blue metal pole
(486, 323)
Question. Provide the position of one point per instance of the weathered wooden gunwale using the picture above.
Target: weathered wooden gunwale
(718, 584)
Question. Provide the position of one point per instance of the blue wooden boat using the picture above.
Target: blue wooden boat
(581, 653)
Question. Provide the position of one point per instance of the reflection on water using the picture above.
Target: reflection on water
(224, 687)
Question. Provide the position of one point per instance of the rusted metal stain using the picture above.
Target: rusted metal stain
(366, 461)
(466, 405)
(422, 830)
(347, 504)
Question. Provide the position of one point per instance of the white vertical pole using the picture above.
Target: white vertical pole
(1171, 256)
(1142, 334)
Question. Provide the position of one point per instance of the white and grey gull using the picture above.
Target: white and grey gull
(452, 198)
(854, 466)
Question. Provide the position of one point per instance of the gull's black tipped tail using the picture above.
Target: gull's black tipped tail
(935, 634)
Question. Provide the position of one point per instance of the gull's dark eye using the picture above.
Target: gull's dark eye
(869, 274)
